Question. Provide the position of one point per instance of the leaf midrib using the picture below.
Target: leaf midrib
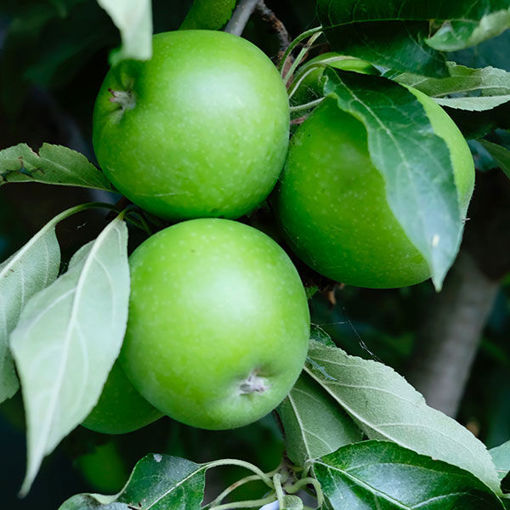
(75, 299)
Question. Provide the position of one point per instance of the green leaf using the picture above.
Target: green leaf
(319, 335)
(474, 104)
(208, 14)
(396, 34)
(484, 20)
(386, 407)
(414, 162)
(501, 457)
(314, 424)
(29, 270)
(53, 165)
(158, 482)
(383, 475)
(487, 81)
(473, 89)
(398, 45)
(134, 20)
(500, 154)
(67, 340)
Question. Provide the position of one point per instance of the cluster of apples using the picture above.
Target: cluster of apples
(218, 322)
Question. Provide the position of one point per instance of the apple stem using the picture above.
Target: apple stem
(253, 383)
(307, 106)
(125, 98)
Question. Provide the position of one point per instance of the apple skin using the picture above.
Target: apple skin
(332, 203)
(204, 129)
(217, 310)
(120, 409)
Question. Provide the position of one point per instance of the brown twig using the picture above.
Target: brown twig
(276, 24)
(299, 120)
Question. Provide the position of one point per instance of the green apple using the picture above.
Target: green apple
(218, 323)
(200, 130)
(120, 409)
(332, 202)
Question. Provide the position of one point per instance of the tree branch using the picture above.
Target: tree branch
(449, 338)
(277, 25)
(241, 16)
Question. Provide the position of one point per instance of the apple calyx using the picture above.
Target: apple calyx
(125, 98)
(253, 384)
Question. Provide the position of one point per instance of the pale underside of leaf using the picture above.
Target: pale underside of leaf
(461, 79)
(387, 408)
(29, 270)
(314, 426)
(501, 456)
(67, 339)
(307, 434)
(133, 18)
(460, 34)
(471, 89)
(473, 104)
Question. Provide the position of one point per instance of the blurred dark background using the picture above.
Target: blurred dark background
(53, 57)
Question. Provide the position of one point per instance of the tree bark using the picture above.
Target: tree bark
(449, 337)
(241, 16)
